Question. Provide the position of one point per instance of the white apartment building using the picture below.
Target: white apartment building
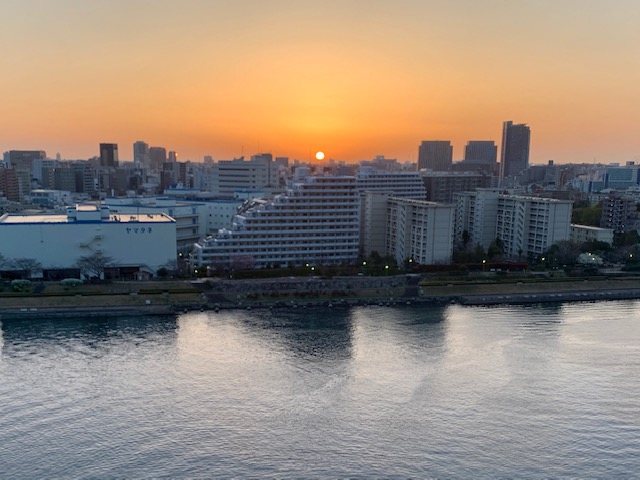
(419, 230)
(316, 221)
(526, 225)
(587, 233)
(373, 220)
(530, 225)
(400, 184)
(476, 213)
(371, 181)
(56, 241)
(227, 176)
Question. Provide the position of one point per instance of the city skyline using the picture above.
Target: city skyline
(349, 78)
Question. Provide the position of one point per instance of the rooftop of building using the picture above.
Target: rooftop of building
(590, 227)
(85, 214)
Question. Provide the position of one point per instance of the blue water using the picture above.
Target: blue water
(378, 392)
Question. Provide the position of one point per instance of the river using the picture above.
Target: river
(366, 392)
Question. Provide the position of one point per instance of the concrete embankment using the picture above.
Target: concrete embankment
(313, 292)
(522, 292)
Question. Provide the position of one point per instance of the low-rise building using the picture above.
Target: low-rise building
(137, 242)
(189, 216)
(587, 233)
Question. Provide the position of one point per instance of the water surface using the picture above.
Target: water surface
(364, 392)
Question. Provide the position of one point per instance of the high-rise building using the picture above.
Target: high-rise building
(400, 184)
(158, 157)
(109, 155)
(436, 155)
(23, 159)
(514, 155)
(230, 176)
(619, 213)
(315, 222)
(481, 151)
(141, 157)
(441, 186)
(64, 178)
(526, 225)
(9, 184)
(420, 231)
(85, 178)
(22, 163)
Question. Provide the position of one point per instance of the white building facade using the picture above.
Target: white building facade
(374, 223)
(419, 231)
(526, 225)
(476, 214)
(587, 233)
(190, 219)
(530, 225)
(315, 222)
(400, 184)
(59, 241)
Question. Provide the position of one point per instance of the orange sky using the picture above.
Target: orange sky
(352, 78)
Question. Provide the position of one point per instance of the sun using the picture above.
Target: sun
(319, 155)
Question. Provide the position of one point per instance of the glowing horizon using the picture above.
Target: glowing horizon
(206, 77)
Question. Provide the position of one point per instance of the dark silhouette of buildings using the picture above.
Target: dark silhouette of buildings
(436, 155)
(481, 151)
(109, 155)
(157, 157)
(141, 154)
(9, 184)
(514, 155)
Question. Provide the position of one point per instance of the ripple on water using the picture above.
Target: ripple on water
(365, 392)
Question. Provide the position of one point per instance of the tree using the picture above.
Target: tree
(93, 265)
(587, 216)
(496, 248)
(564, 252)
(4, 262)
(466, 238)
(625, 239)
(27, 265)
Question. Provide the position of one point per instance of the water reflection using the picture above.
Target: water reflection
(38, 334)
(370, 391)
(311, 334)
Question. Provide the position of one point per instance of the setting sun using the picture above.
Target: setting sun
(319, 156)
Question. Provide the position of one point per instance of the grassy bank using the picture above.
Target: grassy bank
(117, 294)
(539, 286)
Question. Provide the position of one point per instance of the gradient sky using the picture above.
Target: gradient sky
(354, 78)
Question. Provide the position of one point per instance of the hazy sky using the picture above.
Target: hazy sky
(353, 78)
